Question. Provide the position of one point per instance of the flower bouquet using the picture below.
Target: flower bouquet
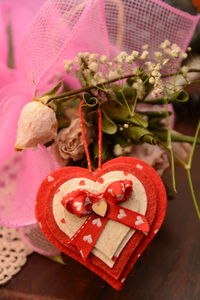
(93, 129)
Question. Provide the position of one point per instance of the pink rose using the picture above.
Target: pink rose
(69, 143)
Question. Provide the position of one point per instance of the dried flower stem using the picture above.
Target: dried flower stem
(188, 168)
(88, 88)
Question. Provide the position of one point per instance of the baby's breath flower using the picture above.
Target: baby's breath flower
(183, 55)
(113, 74)
(184, 70)
(93, 57)
(145, 47)
(150, 65)
(158, 55)
(68, 65)
(156, 73)
(93, 66)
(134, 54)
(144, 55)
(165, 61)
(126, 125)
(103, 59)
(121, 57)
(129, 59)
(118, 150)
(165, 44)
(152, 80)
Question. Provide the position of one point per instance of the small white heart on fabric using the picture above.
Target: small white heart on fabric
(155, 231)
(123, 187)
(139, 166)
(110, 191)
(121, 214)
(139, 221)
(50, 178)
(119, 197)
(87, 238)
(78, 205)
(97, 222)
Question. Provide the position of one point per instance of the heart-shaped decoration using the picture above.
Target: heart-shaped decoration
(100, 207)
(120, 239)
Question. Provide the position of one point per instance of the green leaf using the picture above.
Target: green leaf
(115, 111)
(90, 100)
(140, 135)
(180, 96)
(124, 91)
(109, 126)
(54, 90)
(118, 138)
(58, 259)
(138, 120)
(163, 134)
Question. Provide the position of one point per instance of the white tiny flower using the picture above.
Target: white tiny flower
(68, 65)
(121, 57)
(103, 59)
(156, 73)
(93, 57)
(145, 47)
(183, 55)
(165, 44)
(144, 55)
(165, 61)
(189, 49)
(112, 74)
(93, 66)
(126, 125)
(184, 70)
(134, 54)
(158, 55)
(150, 65)
(157, 67)
(37, 125)
(118, 150)
(129, 59)
(151, 80)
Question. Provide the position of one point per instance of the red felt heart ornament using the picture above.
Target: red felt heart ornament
(118, 246)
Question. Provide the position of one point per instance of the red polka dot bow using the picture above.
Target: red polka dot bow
(101, 207)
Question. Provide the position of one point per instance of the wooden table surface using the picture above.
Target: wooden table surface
(168, 270)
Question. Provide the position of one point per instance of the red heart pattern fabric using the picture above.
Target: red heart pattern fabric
(119, 246)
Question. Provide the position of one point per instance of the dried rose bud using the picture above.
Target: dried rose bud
(37, 125)
(69, 142)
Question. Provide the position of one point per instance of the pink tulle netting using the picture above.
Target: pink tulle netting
(59, 30)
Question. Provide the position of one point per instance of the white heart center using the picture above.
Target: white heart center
(121, 214)
(88, 238)
(139, 221)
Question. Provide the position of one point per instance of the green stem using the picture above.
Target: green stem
(196, 140)
(180, 161)
(162, 134)
(88, 88)
(193, 193)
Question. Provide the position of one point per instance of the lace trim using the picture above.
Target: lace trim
(13, 253)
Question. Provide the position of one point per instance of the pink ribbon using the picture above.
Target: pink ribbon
(80, 202)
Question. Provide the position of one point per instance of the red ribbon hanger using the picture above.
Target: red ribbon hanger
(100, 207)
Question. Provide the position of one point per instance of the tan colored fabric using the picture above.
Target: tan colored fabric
(115, 235)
